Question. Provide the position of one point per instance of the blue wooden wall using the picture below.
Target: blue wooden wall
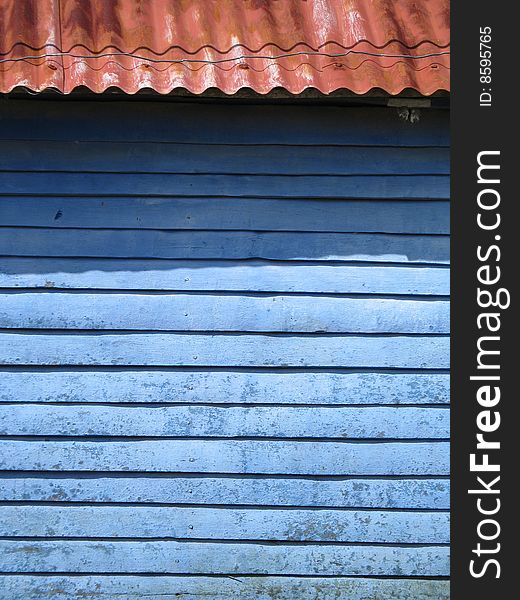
(224, 352)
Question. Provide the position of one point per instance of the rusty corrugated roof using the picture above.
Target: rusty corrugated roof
(226, 44)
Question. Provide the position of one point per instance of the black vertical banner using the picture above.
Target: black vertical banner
(485, 129)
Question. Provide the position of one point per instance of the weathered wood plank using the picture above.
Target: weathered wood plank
(224, 245)
(166, 349)
(282, 186)
(181, 122)
(181, 312)
(261, 472)
(218, 558)
(225, 387)
(30, 587)
(247, 276)
(225, 524)
(227, 213)
(232, 421)
(342, 493)
(19, 155)
(230, 456)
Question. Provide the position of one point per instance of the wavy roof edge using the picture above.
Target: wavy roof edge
(392, 45)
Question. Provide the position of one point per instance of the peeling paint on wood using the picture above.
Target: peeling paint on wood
(225, 524)
(426, 493)
(231, 421)
(180, 312)
(225, 387)
(28, 587)
(230, 276)
(219, 558)
(230, 456)
(224, 352)
(172, 349)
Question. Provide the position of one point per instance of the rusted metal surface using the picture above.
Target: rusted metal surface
(225, 44)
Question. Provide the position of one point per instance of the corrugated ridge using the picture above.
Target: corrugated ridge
(227, 50)
(328, 43)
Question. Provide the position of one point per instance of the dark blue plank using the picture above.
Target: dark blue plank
(117, 243)
(199, 158)
(220, 123)
(228, 213)
(282, 186)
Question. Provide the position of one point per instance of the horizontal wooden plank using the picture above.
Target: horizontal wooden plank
(342, 493)
(167, 349)
(114, 243)
(347, 216)
(131, 587)
(249, 276)
(232, 421)
(282, 186)
(221, 558)
(223, 123)
(225, 524)
(181, 312)
(230, 456)
(224, 387)
(20, 155)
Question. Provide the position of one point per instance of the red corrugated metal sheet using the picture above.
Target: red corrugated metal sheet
(225, 44)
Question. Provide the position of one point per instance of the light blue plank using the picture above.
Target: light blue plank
(250, 276)
(232, 421)
(28, 587)
(343, 493)
(222, 123)
(203, 557)
(224, 245)
(164, 349)
(225, 387)
(257, 214)
(229, 456)
(180, 312)
(193, 158)
(225, 524)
